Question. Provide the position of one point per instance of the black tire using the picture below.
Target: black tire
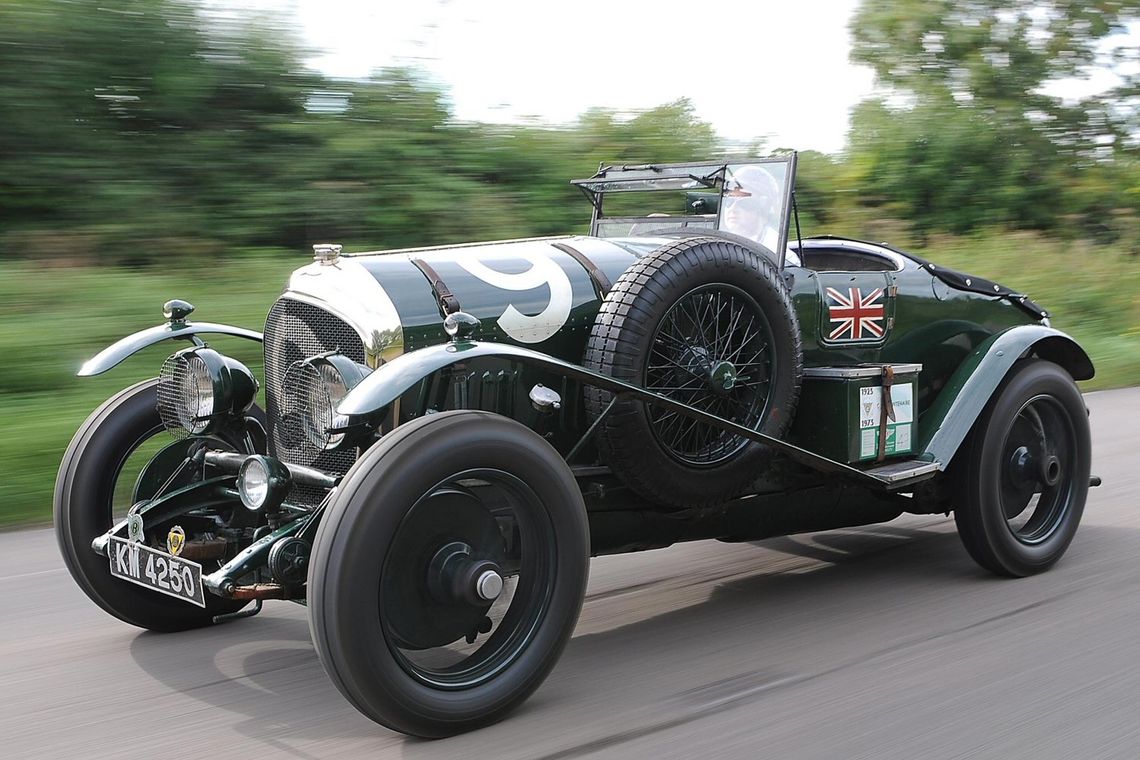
(1022, 477)
(83, 510)
(389, 643)
(638, 322)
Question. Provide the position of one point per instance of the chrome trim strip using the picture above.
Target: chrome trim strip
(860, 370)
(453, 246)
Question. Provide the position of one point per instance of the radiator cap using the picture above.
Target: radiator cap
(326, 253)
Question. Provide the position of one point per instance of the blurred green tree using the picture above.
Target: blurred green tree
(135, 123)
(148, 130)
(1005, 58)
(971, 130)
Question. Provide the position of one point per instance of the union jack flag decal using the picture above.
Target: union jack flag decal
(855, 316)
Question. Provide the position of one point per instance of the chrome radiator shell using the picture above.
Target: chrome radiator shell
(326, 307)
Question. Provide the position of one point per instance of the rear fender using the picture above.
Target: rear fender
(958, 406)
(121, 349)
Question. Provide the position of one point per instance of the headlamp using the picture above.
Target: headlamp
(262, 483)
(198, 389)
(314, 387)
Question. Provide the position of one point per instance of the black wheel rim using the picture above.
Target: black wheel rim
(124, 487)
(712, 351)
(139, 475)
(1039, 457)
(440, 631)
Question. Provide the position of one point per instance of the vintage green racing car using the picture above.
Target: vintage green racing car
(449, 434)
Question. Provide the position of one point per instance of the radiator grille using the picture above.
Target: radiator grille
(295, 331)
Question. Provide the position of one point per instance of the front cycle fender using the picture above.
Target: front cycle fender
(115, 353)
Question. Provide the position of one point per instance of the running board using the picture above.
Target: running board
(895, 474)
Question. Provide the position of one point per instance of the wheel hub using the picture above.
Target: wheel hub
(1021, 464)
(445, 547)
(1050, 470)
(457, 577)
(1030, 469)
(723, 377)
(696, 361)
(489, 585)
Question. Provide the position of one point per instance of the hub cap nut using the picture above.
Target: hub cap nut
(489, 585)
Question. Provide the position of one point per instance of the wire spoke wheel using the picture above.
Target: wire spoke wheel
(708, 323)
(712, 350)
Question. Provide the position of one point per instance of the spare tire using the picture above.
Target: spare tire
(708, 322)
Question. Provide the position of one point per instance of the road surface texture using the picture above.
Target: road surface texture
(878, 642)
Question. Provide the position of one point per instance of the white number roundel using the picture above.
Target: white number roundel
(543, 271)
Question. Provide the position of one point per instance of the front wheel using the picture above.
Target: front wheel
(96, 484)
(1022, 479)
(448, 573)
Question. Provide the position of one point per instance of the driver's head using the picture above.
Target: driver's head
(751, 201)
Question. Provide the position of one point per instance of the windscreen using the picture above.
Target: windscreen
(754, 203)
(750, 199)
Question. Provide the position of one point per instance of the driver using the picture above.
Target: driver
(752, 203)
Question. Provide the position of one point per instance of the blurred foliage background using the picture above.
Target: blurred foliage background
(150, 149)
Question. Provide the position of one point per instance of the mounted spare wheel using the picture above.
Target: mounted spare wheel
(707, 322)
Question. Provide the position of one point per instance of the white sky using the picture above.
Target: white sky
(752, 68)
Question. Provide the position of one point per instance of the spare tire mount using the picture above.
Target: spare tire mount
(709, 323)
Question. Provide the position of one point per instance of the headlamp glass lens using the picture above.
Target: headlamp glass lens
(198, 394)
(254, 485)
(320, 399)
(311, 391)
(336, 390)
(186, 387)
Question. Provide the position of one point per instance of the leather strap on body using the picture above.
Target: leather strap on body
(448, 303)
(887, 410)
(601, 283)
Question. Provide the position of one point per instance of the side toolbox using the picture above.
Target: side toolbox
(841, 414)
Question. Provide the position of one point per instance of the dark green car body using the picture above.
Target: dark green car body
(542, 296)
(443, 423)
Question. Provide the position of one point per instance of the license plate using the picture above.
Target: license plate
(156, 570)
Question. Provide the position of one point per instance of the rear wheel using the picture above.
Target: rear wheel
(1022, 479)
(448, 573)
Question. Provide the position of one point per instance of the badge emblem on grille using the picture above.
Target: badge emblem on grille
(175, 540)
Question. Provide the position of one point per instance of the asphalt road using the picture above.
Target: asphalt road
(879, 642)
